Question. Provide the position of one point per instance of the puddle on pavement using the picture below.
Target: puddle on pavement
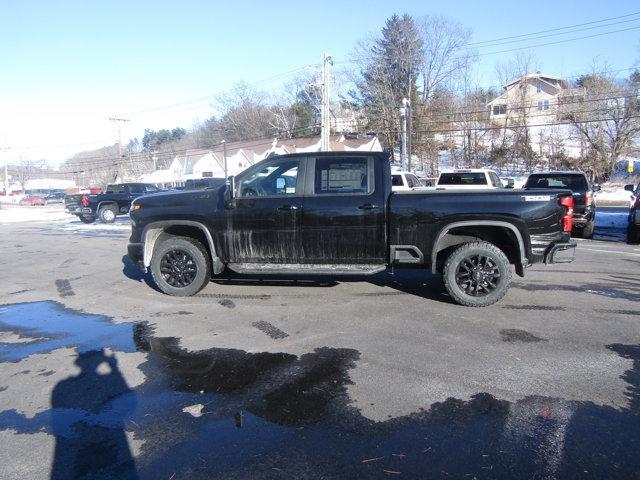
(45, 326)
(224, 413)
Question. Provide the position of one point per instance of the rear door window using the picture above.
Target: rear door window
(342, 176)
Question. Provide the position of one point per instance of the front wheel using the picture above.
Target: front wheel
(180, 266)
(477, 274)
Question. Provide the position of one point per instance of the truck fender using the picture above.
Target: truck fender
(154, 230)
(481, 223)
(107, 202)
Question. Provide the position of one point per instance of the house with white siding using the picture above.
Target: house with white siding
(532, 98)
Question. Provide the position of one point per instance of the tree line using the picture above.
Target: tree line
(427, 61)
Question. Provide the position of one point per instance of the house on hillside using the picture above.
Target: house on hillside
(532, 98)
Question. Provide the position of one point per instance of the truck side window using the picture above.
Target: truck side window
(396, 180)
(410, 182)
(275, 179)
(344, 175)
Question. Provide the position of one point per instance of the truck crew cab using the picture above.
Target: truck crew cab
(335, 214)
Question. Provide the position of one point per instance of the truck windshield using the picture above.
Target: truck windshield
(574, 182)
(462, 178)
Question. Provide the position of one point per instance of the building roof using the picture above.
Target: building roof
(541, 76)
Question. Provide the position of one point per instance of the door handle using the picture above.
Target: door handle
(287, 208)
(367, 206)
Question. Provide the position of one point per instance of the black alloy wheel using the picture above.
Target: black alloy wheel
(477, 275)
(178, 268)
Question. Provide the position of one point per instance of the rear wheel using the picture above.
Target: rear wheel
(587, 230)
(108, 214)
(477, 274)
(87, 218)
(180, 266)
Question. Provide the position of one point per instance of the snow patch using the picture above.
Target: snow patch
(16, 214)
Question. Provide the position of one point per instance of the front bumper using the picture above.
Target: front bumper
(136, 254)
(561, 252)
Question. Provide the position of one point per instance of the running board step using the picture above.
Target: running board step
(305, 268)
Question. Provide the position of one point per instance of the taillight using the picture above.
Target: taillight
(588, 198)
(85, 200)
(567, 219)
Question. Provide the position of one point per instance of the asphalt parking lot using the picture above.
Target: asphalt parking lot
(104, 377)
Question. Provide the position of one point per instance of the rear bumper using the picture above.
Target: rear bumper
(79, 210)
(135, 251)
(562, 252)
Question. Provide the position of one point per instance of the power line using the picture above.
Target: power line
(213, 95)
(554, 29)
(512, 127)
(556, 34)
(560, 41)
(533, 105)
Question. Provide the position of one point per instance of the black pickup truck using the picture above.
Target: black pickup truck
(106, 206)
(335, 214)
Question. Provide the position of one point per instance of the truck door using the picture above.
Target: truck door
(264, 218)
(344, 220)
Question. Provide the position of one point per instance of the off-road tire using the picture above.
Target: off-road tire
(587, 230)
(87, 218)
(108, 214)
(498, 263)
(197, 253)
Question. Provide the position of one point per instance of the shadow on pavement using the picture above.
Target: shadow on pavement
(88, 449)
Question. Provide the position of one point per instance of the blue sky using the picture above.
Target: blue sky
(69, 65)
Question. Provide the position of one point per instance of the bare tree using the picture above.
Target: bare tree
(607, 116)
(445, 54)
(246, 114)
(27, 170)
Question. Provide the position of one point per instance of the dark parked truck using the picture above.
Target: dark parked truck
(584, 209)
(106, 206)
(335, 214)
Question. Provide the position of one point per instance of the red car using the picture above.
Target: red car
(33, 200)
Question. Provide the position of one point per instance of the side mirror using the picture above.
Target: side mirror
(231, 187)
(596, 188)
(629, 188)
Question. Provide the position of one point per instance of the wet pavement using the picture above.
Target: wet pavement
(226, 413)
(102, 377)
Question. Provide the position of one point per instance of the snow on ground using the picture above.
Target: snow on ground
(17, 214)
(613, 193)
(121, 225)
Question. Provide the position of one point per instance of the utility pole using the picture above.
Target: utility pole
(119, 121)
(224, 154)
(325, 120)
(403, 134)
(5, 149)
